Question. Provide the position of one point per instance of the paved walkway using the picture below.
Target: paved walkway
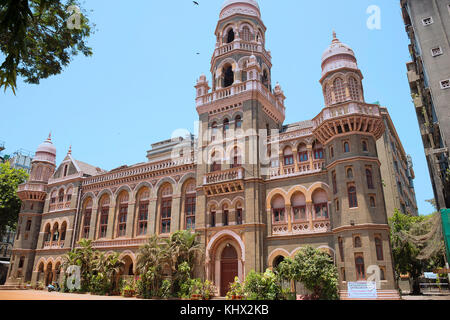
(45, 295)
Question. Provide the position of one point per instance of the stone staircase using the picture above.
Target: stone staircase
(381, 295)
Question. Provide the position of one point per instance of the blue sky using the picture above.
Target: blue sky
(138, 86)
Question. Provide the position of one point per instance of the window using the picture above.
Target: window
(214, 131)
(379, 248)
(337, 204)
(61, 196)
(327, 95)
(143, 218)
(372, 202)
(318, 153)
(237, 162)
(321, 210)
(265, 79)
(190, 211)
(225, 217)
(445, 84)
(334, 182)
(346, 147)
(382, 274)
(87, 222)
(245, 34)
(228, 79)
(341, 248)
(238, 122)
(300, 213)
(28, 227)
(122, 220)
(331, 152)
(226, 127)
(303, 156)
(352, 200)
(65, 170)
(360, 270)
(213, 218)
(104, 221)
(357, 242)
(53, 197)
(239, 216)
(354, 89)
(343, 274)
(427, 21)
(21, 262)
(166, 211)
(369, 179)
(436, 51)
(278, 216)
(288, 157)
(349, 173)
(364, 146)
(339, 90)
(216, 165)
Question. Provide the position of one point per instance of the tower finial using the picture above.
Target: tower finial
(70, 150)
(49, 136)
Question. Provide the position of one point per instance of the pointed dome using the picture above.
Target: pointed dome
(46, 151)
(247, 7)
(338, 55)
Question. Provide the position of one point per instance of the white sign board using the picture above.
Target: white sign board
(430, 275)
(362, 290)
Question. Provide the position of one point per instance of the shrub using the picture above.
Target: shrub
(258, 286)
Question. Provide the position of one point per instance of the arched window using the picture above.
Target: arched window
(189, 206)
(62, 236)
(288, 156)
(214, 131)
(225, 215)
(349, 173)
(341, 248)
(346, 147)
(354, 89)
(364, 146)
(277, 261)
(61, 195)
(360, 270)
(318, 151)
(213, 217)
(278, 210)
(369, 179)
(357, 243)
(246, 36)
(372, 202)
(230, 35)
(339, 90)
(21, 262)
(166, 209)
(302, 153)
(226, 127)
(87, 214)
(239, 218)
(265, 78)
(215, 165)
(69, 194)
(228, 76)
(379, 248)
(53, 197)
(144, 200)
(331, 152)
(236, 156)
(352, 200)
(320, 200)
(238, 122)
(104, 213)
(298, 203)
(55, 232)
(334, 182)
(47, 233)
(123, 213)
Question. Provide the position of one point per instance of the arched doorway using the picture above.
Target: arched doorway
(277, 261)
(49, 274)
(228, 268)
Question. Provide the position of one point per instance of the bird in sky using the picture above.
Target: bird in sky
(195, 2)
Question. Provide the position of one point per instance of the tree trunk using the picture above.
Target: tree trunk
(415, 286)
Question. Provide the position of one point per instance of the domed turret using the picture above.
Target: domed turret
(338, 55)
(46, 152)
(248, 7)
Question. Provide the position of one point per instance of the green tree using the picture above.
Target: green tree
(83, 256)
(10, 203)
(316, 270)
(417, 245)
(36, 40)
(261, 286)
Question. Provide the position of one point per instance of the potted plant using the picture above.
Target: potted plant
(196, 289)
(208, 290)
(236, 291)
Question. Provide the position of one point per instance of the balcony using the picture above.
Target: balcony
(305, 227)
(50, 245)
(60, 206)
(119, 243)
(31, 187)
(303, 169)
(412, 74)
(224, 176)
(350, 108)
(240, 88)
(241, 45)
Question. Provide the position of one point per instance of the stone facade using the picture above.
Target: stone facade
(254, 190)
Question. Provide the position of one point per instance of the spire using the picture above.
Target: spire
(70, 150)
(335, 39)
(49, 136)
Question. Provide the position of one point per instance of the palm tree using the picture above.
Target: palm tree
(82, 257)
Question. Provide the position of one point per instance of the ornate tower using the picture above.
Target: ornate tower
(348, 128)
(33, 194)
(234, 119)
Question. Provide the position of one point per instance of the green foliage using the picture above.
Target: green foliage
(236, 289)
(316, 270)
(36, 41)
(10, 203)
(165, 290)
(258, 286)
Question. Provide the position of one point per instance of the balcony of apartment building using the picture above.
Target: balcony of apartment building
(219, 181)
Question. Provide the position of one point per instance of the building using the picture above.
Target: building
(21, 159)
(2, 147)
(397, 171)
(6, 246)
(428, 27)
(255, 189)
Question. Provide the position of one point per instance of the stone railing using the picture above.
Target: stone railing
(60, 206)
(119, 243)
(223, 176)
(346, 109)
(303, 168)
(303, 227)
(58, 180)
(50, 245)
(31, 187)
(238, 88)
(147, 168)
(239, 44)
